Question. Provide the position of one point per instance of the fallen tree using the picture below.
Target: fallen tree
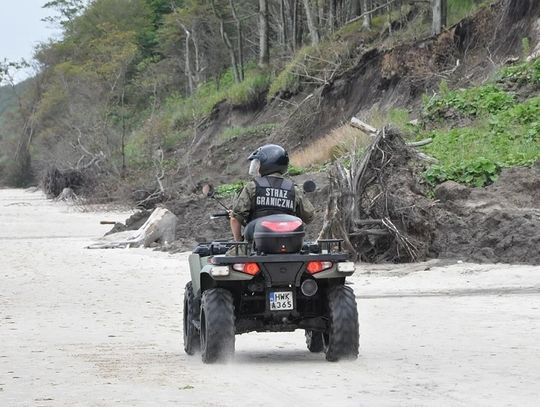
(159, 227)
(376, 203)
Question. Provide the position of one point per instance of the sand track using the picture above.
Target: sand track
(103, 327)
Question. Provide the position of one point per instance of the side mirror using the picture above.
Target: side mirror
(208, 190)
(309, 186)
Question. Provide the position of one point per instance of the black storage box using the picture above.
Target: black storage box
(276, 234)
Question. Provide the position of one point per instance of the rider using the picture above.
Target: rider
(269, 193)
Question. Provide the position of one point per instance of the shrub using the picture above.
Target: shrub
(250, 92)
(229, 190)
(477, 172)
(470, 102)
(293, 170)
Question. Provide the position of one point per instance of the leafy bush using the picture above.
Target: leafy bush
(477, 172)
(475, 155)
(470, 102)
(229, 190)
(293, 170)
(527, 72)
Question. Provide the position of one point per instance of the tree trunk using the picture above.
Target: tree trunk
(159, 227)
(312, 26)
(187, 60)
(367, 16)
(264, 49)
(240, 41)
(227, 42)
(437, 12)
(283, 23)
(197, 62)
(444, 13)
(296, 27)
(332, 16)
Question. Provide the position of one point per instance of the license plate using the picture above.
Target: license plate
(281, 300)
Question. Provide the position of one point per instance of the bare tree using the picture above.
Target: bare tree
(226, 40)
(439, 9)
(311, 22)
(366, 7)
(264, 49)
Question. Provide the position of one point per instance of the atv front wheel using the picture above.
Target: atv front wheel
(191, 336)
(343, 337)
(217, 325)
(314, 341)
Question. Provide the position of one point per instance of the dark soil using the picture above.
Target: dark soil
(499, 223)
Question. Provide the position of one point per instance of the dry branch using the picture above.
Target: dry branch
(371, 205)
(366, 128)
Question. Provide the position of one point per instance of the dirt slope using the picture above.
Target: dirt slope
(499, 223)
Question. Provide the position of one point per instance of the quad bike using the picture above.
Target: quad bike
(275, 282)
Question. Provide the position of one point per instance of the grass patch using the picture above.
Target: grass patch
(250, 92)
(328, 148)
(262, 130)
(459, 9)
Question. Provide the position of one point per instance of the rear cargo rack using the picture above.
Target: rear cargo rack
(330, 245)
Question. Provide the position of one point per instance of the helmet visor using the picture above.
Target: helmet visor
(254, 168)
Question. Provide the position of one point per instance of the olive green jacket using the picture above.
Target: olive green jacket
(243, 203)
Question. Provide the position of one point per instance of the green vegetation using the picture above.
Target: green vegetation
(459, 9)
(526, 72)
(502, 132)
(315, 65)
(248, 93)
(261, 130)
(473, 102)
(295, 170)
(229, 190)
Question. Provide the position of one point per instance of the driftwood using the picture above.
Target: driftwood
(159, 227)
(67, 195)
(370, 206)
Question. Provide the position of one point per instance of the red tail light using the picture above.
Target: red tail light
(248, 268)
(318, 266)
(282, 226)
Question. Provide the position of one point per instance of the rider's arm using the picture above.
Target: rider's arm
(241, 210)
(236, 228)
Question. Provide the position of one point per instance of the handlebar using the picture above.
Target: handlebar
(219, 215)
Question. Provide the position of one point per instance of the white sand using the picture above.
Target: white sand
(103, 328)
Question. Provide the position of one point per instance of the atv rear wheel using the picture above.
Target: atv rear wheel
(217, 325)
(191, 336)
(343, 337)
(314, 341)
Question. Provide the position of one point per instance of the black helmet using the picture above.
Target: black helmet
(272, 158)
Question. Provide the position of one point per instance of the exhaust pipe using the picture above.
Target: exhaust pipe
(309, 287)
